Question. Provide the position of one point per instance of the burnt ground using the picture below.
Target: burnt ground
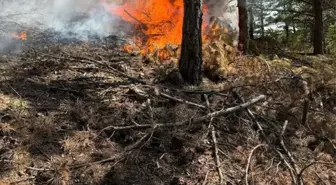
(61, 104)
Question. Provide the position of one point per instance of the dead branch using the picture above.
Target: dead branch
(295, 168)
(289, 154)
(261, 130)
(22, 181)
(93, 61)
(306, 102)
(206, 178)
(118, 72)
(207, 103)
(217, 160)
(249, 163)
(182, 101)
(137, 20)
(39, 169)
(299, 176)
(118, 157)
(320, 178)
(193, 121)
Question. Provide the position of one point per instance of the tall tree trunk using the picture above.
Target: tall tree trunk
(243, 29)
(287, 31)
(251, 23)
(286, 22)
(318, 29)
(262, 22)
(294, 27)
(190, 63)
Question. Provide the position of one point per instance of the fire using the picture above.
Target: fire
(158, 22)
(22, 35)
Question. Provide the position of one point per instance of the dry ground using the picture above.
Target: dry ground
(59, 101)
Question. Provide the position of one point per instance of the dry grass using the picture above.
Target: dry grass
(54, 109)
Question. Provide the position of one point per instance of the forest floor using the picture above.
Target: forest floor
(65, 108)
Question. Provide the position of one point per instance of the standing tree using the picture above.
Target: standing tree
(243, 29)
(251, 23)
(190, 63)
(318, 28)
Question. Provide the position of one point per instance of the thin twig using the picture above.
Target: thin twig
(261, 130)
(276, 172)
(217, 160)
(192, 121)
(311, 164)
(21, 181)
(289, 154)
(182, 101)
(206, 178)
(121, 156)
(318, 176)
(249, 163)
(93, 61)
(39, 169)
(207, 103)
(137, 20)
(306, 102)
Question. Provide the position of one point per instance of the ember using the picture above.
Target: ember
(22, 35)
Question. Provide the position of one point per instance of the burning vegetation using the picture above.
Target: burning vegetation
(95, 97)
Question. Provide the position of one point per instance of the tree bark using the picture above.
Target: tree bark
(287, 30)
(243, 29)
(262, 22)
(190, 63)
(251, 23)
(318, 28)
(286, 22)
(293, 24)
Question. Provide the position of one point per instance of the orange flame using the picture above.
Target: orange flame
(22, 35)
(158, 22)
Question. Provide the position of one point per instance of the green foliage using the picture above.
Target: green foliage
(298, 42)
(331, 39)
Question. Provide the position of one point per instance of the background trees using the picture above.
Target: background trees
(302, 26)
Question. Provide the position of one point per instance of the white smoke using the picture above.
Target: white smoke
(75, 18)
(226, 11)
(80, 18)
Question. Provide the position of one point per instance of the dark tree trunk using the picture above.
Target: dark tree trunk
(243, 29)
(262, 22)
(251, 23)
(293, 24)
(190, 63)
(287, 30)
(318, 29)
(286, 21)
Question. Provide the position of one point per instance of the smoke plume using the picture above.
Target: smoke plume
(78, 18)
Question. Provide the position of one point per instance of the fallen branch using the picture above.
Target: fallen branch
(39, 169)
(249, 163)
(289, 154)
(206, 178)
(192, 121)
(305, 103)
(299, 176)
(218, 163)
(93, 61)
(22, 181)
(182, 101)
(292, 170)
(118, 157)
(137, 20)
